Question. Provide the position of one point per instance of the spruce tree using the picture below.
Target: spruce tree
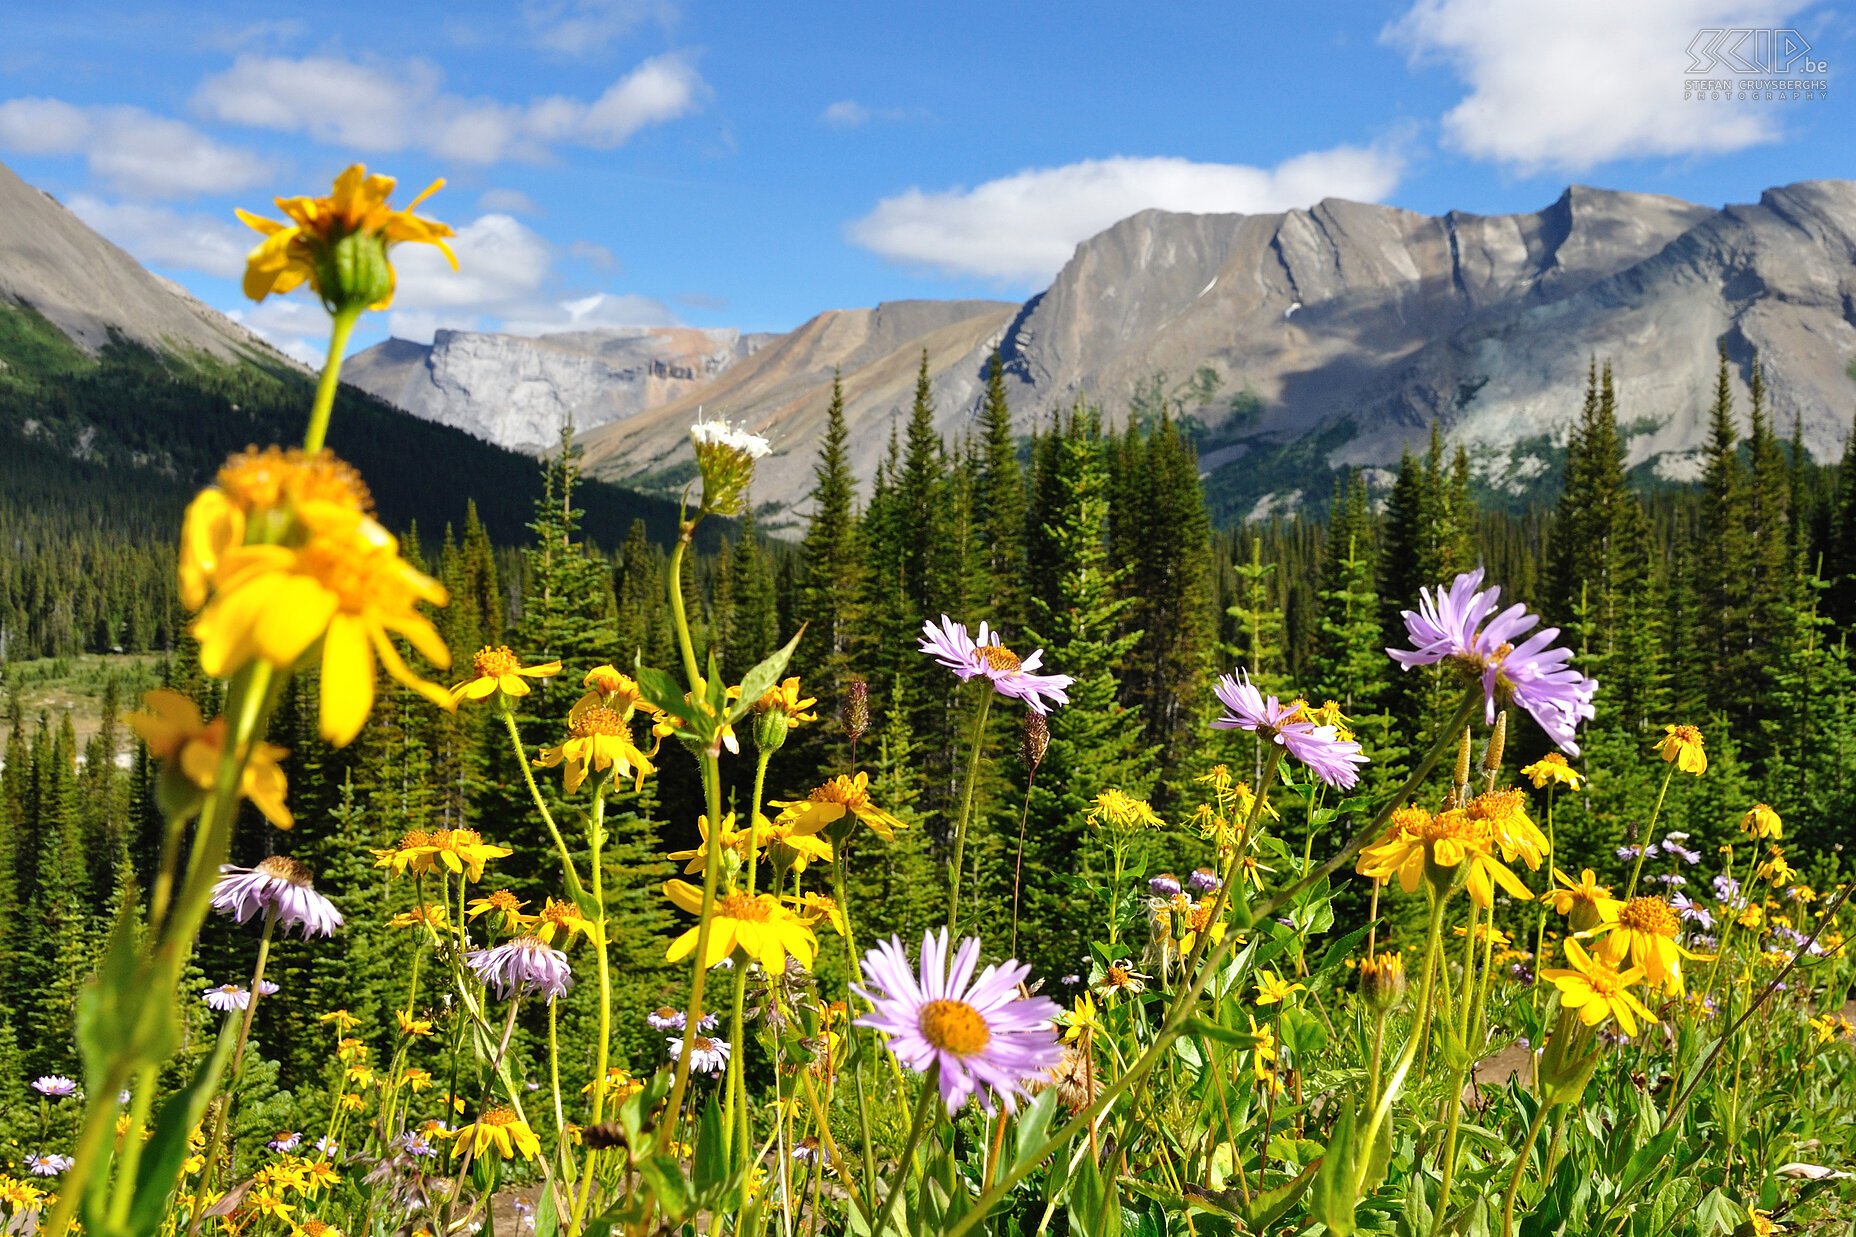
(999, 503)
(1723, 563)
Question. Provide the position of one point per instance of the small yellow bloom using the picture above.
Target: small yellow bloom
(315, 1228)
(339, 244)
(1763, 1224)
(431, 914)
(190, 750)
(839, 797)
(1263, 1056)
(1504, 814)
(343, 1020)
(563, 919)
(1683, 745)
(1645, 932)
(318, 1175)
(416, 1079)
(742, 842)
(1552, 770)
(786, 698)
(1585, 902)
(600, 739)
(608, 688)
(352, 1102)
(351, 1050)
(1273, 988)
(1421, 846)
(410, 1026)
(1121, 810)
(1762, 823)
(1081, 1019)
(1595, 990)
(813, 907)
(499, 1131)
(620, 1085)
(266, 1203)
(499, 670)
(506, 906)
(458, 850)
(760, 926)
(1776, 870)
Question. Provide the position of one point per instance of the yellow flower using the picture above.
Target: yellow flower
(1196, 918)
(601, 739)
(20, 1194)
(1081, 1019)
(416, 1079)
(620, 1085)
(499, 1131)
(410, 1026)
(741, 841)
(500, 670)
(1683, 745)
(1504, 814)
(1421, 846)
(785, 698)
(1752, 915)
(814, 907)
(339, 244)
(1273, 988)
(1761, 823)
(318, 1175)
(797, 842)
(761, 927)
(1763, 1224)
(344, 590)
(315, 1228)
(1494, 937)
(1645, 932)
(1382, 979)
(1830, 1027)
(266, 1203)
(609, 688)
(1552, 770)
(259, 490)
(562, 919)
(352, 1102)
(506, 905)
(1585, 902)
(458, 850)
(1121, 810)
(190, 749)
(1263, 1056)
(1775, 869)
(841, 796)
(431, 914)
(343, 1020)
(1595, 989)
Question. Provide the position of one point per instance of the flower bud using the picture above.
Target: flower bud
(854, 712)
(1035, 741)
(1569, 1059)
(770, 729)
(1382, 980)
(1462, 760)
(725, 457)
(1492, 754)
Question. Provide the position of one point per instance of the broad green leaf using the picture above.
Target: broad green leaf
(1332, 1199)
(762, 678)
(166, 1149)
(1263, 1210)
(712, 1154)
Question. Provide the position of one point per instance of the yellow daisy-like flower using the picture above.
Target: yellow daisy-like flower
(1081, 1019)
(410, 1026)
(1504, 814)
(346, 591)
(786, 698)
(1273, 989)
(1762, 823)
(814, 907)
(343, 1020)
(601, 739)
(611, 689)
(796, 842)
(318, 1175)
(416, 1079)
(457, 850)
(1196, 919)
(1421, 846)
(759, 926)
(1775, 869)
(499, 670)
(742, 842)
(499, 1132)
(1763, 1224)
(351, 1102)
(431, 914)
(315, 1228)
(1585, 902)
(504, 904)
(1494, 937)
(839, 797)
(267, 1203)
(1121, 810)
(20, 1194)
(261, 488)
(1645, 932)
(1683, 745)
(1552, 770)
(1263, 1055)
(190, 748)
(563, 919)
(339, 244)
(1595, 989)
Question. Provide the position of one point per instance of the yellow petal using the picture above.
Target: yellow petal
(347, 680)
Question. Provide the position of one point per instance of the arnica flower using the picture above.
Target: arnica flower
(461, 851)
(987, 657)
(1683, 745)
(759, 926)
(986, 1040)
(412, 1028)
(190, 749)
(837, 799)
(786, 700)
(1121, 810)
(743, 843)
(500, 670)
(526, 966)
(1422, 846)
(1329, 757)
(48, 1165)
(502, 903)
(600, 739)
(1584, 902)
(1273, 989)
(708, 1055)
(339, 244)
(278, 886)
(816, 908)
(1118, 978)
(1645, 932)
(1762, 823)
(725, 458)
(315, 1228)
(1552, 770)
(1504, 814)
(1448, 627)
(226, 998)
(498, 1132)
(344, 589)
(259, 491)
(1595, 989)
(562, 919)
(1382, 980)
(343, 1020)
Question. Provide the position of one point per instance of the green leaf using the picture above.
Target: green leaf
(762, 678)
(1263, 1210)
(166, 1149)
(1332, 1200)
(1199, 1024)
(712, 1158)
(1033, 1124)
(1337, 952)
(663, 1179)
(1094, 1208)
(663, 691)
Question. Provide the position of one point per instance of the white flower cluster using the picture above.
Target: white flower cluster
(723, 434)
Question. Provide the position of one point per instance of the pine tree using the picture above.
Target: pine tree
(1723, 564)
(999, 503)
(835, 567)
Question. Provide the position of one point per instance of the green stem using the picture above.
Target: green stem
(685, 644)
(541, 805)
(1420, 1030)
(1520, 1167)
(1643, 839)
(931, 1092)
(341, 327)
(736, 1114)
(232, 1072)
(712, 866)
(956, 869)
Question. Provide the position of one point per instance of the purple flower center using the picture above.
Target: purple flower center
(954, 1026)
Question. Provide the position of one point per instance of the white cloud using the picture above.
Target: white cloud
(162, 237)
(130, 150)
(1024, 227)
(378, 107)
(507, 202)
(1568, 84)
(845, 114)
(588, 27)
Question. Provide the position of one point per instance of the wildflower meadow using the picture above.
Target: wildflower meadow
(1351, 969)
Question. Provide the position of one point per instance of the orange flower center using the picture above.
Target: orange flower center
(287, 869)
(560, 914)
(1603, 977)
(740, 906)
(257, 480)
(1684, 736)
(494, 663)
(415, 839)
(702, 1043)
(1497, 806)
(1651, 915)
(841, 790)
(1118, 977)
(504, 901)
(1451, 825)
(599, 720)
(498, 1116)
(998, 657)
(955, 1027)
(315, 1228)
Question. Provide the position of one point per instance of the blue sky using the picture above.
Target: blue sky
(627, 162)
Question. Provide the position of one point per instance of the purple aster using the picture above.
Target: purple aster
(328, 1146)
(226, 998)
(1165, 885)
(280, 886)
(526, 964)
(1627, 852)
(986, 1039)
(414, 1145)
(1203, 881)
(708, 1055)
(48, 1165)
(1448, 625)
(1692, 910)
(1726, 887)
(1329, 757)
(267, 988)
(1673, 880)
(950, 645)
(55, 1086)
(285, 1142)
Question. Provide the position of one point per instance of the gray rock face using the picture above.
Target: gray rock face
(518, 391)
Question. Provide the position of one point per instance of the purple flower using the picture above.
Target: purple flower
(328, 1147)
(55, 1086)
(1726, 888)
(1627, 852)
(1673, 880)
(48, 1165)
(1165, 885)
(1203, 881)
(267, 988)
(708, 1055)
(1329, 757)
(278, 886)
(413, 1145)
(284, 1143)
(950, 645)
(1692, 910)
(1449, 626)
(981, 1037)
(226, 998)
(526, 964)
